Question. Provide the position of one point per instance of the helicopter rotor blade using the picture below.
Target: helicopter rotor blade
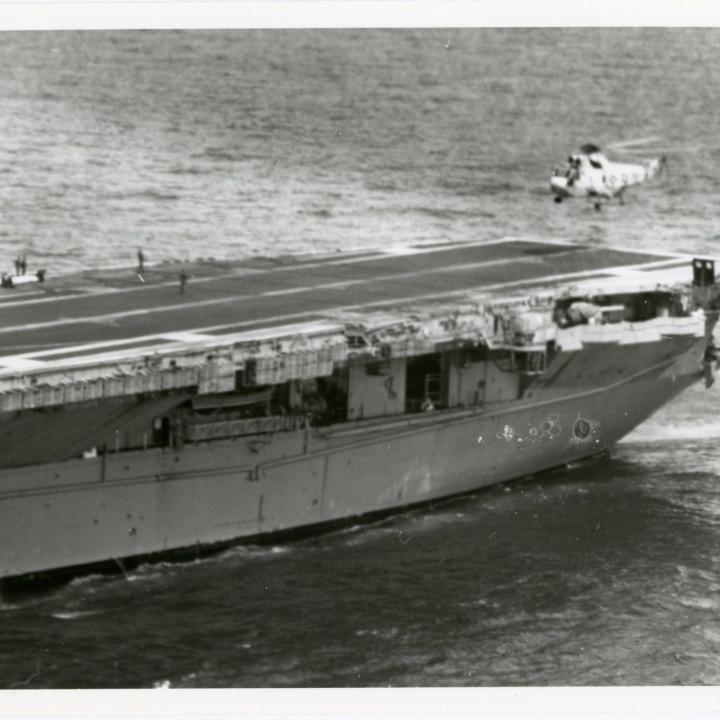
(645, 154)
(628, 144)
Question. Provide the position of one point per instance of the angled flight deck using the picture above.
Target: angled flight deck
(114, 308)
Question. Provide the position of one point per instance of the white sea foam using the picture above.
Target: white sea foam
(75, 615)
(252, 552)
(690, 430)
(700, 603)
(143, 576)
(382, 633)
(83, 580)
(711, 634)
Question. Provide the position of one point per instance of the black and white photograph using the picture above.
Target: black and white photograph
(359, 357)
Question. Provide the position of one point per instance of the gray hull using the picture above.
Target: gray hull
(137, 503)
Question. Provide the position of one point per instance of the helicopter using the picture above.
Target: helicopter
(590, 174)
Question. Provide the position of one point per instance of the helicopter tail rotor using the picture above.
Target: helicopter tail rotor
(656, 167)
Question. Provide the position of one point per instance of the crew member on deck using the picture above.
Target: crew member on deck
(141, 261)
(709, 357)
(427, 405)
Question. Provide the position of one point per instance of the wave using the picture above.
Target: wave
(133, 577)
(689, 573)
(146, 195)
(320, 213)
(76, 615)
(215, 153)
(474, 188)
(91, 579)
(383, 633)
(663, 433)
(713, 636)
(449, 213)
(251, 552)
(189, 170)
(699, 603)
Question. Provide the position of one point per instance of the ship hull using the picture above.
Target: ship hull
(112, 508)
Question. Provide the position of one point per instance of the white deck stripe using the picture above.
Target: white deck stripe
(18, 362)
(189, 337)
(185, 337)
(17, 296)
(75, 295)
(204, 342)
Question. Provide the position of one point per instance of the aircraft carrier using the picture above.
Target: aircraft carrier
(183, 407)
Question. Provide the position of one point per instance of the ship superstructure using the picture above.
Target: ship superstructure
(208, 403)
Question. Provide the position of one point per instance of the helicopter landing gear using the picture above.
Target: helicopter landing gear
(598, 206)
(558, 200)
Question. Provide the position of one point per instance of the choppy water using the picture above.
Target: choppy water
(236, 142)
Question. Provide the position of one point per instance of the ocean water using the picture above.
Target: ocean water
(235, 143)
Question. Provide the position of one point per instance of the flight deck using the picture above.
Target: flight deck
(119, 309)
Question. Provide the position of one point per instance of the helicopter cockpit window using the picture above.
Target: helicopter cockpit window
(595, 164)
(573, 167)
